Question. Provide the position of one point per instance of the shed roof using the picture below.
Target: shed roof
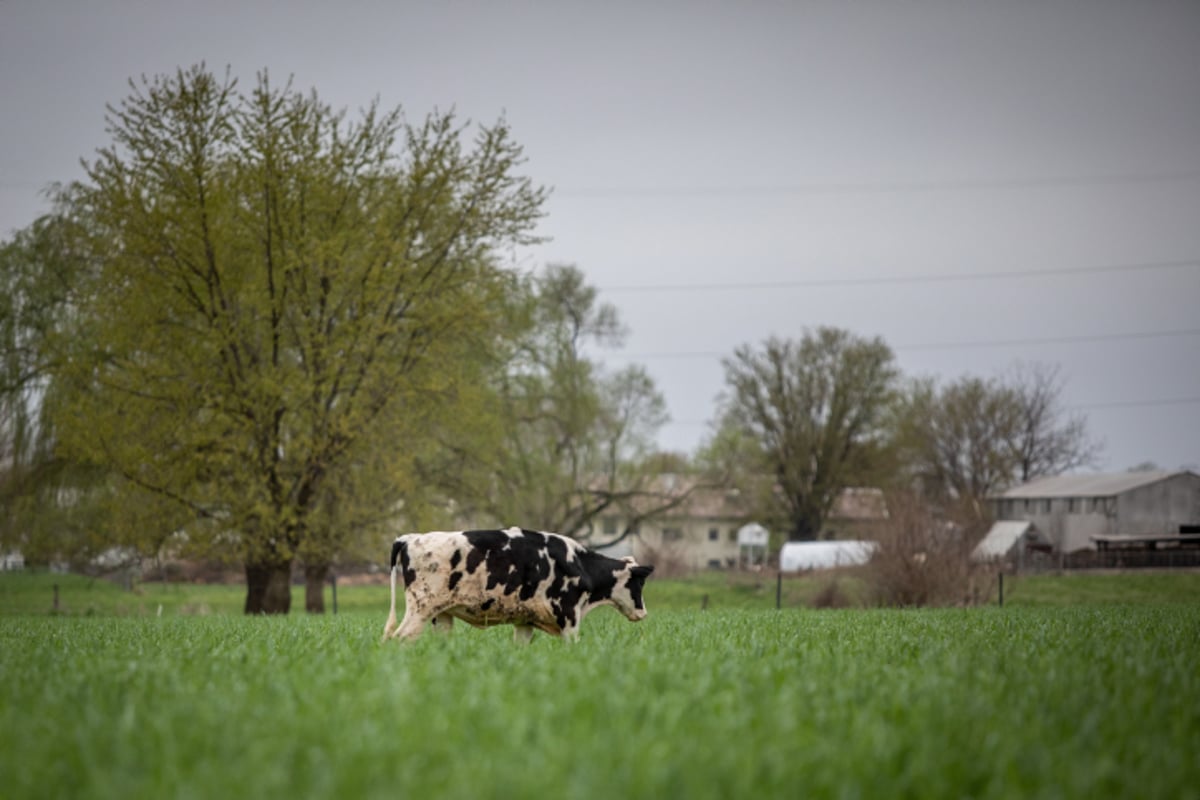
(1001, 539)
(1097, 485)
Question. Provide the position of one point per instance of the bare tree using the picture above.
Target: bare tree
(958, 436)
(1048, 440)
(971, 439)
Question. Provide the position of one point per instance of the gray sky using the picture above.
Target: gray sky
(994, 182)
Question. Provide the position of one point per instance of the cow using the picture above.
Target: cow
(528, 579)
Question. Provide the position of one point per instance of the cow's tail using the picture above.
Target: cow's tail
(397, 546)
(390, 626)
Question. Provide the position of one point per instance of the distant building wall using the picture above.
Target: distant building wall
(1069, 521)
(1159, 508)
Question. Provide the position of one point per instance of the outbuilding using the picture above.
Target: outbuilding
(1074, 511)
(797, 556)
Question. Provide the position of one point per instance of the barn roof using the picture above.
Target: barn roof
(1097, 485)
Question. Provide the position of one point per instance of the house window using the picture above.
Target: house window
(1072, 504)
(672, 534)
(1046, 506)
(733, 534)
(714, 535)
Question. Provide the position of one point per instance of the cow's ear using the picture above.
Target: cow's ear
(642, 572)
(629, 560)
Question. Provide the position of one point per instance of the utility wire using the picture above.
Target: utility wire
(952, 345)
(877, 187)
(1164, 401)
(836, 187)
(887, 280)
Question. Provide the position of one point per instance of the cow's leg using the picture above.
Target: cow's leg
(522, 634)
(412, 624)
(443, 622)
(389, 627)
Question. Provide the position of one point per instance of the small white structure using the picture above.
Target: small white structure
(12, 561)
(1007, 538)
(752, 542)
(797, 556)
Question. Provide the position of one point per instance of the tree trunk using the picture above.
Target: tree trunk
(315, 576)
(268, 587)
(804, 528)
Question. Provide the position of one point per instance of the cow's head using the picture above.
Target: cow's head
(627, 593)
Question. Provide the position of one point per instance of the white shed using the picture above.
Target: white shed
(752, 542)
(796, 556)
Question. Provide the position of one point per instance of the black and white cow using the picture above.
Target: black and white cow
(518, 577)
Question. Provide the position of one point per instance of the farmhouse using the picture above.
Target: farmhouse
(702, 531)
(1071, 513)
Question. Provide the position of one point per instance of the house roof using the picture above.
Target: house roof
(852, 504)
(1002, 537)
(859, 503)
(1098, 485)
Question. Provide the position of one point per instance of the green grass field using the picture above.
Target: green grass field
(30, 592)
(1093, 697)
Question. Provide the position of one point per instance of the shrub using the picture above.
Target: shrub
(923, 559)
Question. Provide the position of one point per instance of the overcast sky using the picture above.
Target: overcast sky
(980, 184)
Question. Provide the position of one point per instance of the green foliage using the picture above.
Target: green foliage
(568, 438)
(37, 268)
(991, 703)
(278, 293)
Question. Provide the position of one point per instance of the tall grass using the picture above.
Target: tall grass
(987, 703)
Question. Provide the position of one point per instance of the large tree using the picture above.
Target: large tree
(802, 420)
(570, 440)
(971, 438)
(957, 440)
(277, 292)
(37, 268)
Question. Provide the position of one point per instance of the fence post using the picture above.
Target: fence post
(1002, 589)
(333, 581)
(778, 589)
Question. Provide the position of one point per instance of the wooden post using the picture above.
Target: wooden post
(56, 598)
(778, 589)
(333, 581)
(1002, 589)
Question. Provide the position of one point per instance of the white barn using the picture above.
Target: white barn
(1070, 511)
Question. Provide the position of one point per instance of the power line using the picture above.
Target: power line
(1165, 401)
(886, 280)
(1154, 402)
(838, 187)
(1041, 340)
(878, 187)
(953, 345)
